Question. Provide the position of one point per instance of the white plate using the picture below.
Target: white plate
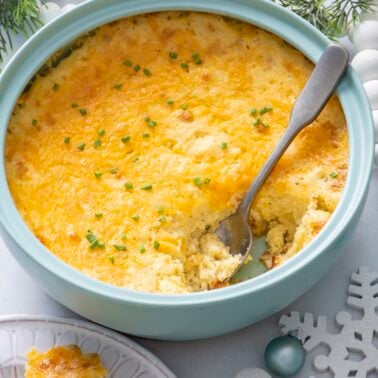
(121, 356)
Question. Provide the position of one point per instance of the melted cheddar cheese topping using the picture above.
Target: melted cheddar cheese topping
(123, 156)
(64, 362)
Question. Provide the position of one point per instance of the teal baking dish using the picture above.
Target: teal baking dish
(203, 314)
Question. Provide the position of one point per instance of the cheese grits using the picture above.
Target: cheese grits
(130, 145)
(64, 362)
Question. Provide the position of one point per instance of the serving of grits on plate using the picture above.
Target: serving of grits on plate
(66, 361)
(129, 147)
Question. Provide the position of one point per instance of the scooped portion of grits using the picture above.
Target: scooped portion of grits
(130, 146)
(65, 361)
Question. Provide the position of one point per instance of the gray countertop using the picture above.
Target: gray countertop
(224, 356)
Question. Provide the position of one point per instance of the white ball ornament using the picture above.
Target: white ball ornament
(365, 35)
(366, 65)
(371, 89)
(49, 11)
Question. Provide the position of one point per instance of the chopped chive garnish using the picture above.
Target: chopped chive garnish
(99, 215)
(146, 135)
(135, 158)
(224, 145)
(160, 209)
(55, 87)
(333, 175)
(113, 170)
(156, 244)
(147, 72)
(129, 185)
(98, 174)
(265, 109)
(101, 132)
(162, 219)
(199, 182)
(196, 58)
(83, 111)
(136, 68)
(127, 63)
(170, 101)
(184, 65)
(100, 244)
(259, 123)
(119, 247)
(111, 258)
(253, 111)
(146, 187)
(90, 236)
(81, 146)
(123, 236)
(74, 105)
(94, 242)
(173, 55)
(142, 248)
(97, 143)
(126, 138)
(135, 217)
(151, 123)
(67, 140)
(184, 106)
(117, 86)
(34, 122)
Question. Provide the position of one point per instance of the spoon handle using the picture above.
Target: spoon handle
(314, 96)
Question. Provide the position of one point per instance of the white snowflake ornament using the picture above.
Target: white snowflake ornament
(352, 350)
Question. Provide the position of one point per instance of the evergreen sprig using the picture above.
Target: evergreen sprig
(333, 19)
(17, 16)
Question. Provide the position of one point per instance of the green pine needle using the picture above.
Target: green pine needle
(334, 19)
(17, 16)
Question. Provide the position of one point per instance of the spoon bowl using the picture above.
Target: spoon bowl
(236, 233)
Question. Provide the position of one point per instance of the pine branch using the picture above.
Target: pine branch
(334, 19)
(17, 16)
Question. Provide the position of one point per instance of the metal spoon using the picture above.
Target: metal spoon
(234, 231)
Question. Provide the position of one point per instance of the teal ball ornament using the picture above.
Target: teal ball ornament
(284, 356)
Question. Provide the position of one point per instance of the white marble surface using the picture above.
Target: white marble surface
(225, 356)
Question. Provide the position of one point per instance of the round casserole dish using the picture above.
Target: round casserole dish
(203, 314)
